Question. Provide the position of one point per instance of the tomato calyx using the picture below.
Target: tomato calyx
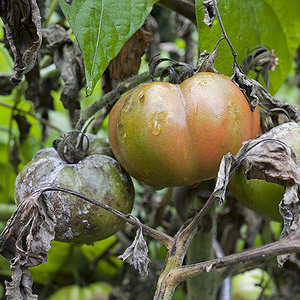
(72, 147)
(176, 73)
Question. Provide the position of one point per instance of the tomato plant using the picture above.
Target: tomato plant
(98, 175)
(173, 135)
(261, 196)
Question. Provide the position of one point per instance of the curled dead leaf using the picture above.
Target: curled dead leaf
(22, 23)
(271, 160)
(25, 242)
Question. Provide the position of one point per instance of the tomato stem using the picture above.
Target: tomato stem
(160, 236)
(223, 30)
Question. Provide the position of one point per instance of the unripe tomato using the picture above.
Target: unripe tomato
(166, 134)
(98, 175)
(252, 285)
(261, 196)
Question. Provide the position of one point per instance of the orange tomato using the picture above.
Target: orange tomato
(166, 134)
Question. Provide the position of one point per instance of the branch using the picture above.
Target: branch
(184, 236)
(290, 244)
(40, 119)
(160, 236)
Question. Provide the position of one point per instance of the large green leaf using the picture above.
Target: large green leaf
(272, 23)
(102, 27)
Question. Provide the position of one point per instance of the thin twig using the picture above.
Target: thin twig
(160, 236)
(41, 120)
(223, 30)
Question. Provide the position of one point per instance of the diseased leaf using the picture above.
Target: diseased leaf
(25, 242)
(223, 177)
(14, 158)
(209, 12)
(102, 27)
(68, 60)
(270, 23)
(24, 127)
(257, 94)
(6, 85)
(128, 60)
(137, 254)
(260, 60)
(22, 23)
(271, 160)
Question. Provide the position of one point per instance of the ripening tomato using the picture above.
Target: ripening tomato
(166, 134)
(261, 196)
(98, 175)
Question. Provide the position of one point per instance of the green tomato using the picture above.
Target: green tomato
(251, 284)
(98, 290)
(261, 196)
(98, 175)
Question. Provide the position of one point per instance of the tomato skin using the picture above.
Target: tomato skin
(261, 196)
(98, 175)
(173, 135)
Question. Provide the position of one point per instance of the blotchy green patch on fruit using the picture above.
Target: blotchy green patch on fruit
(97, 176)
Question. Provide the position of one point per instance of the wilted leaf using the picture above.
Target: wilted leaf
(209, 12)
(68, 60)
(102, 28)
(261, 60)
(25, 242)
(257, 94)
(137, 254)
(271, 160)
(206, 61)
(128, 60)
(14, 158)
(24, 127)
(223, 177)
(22, 23)
(6, 85)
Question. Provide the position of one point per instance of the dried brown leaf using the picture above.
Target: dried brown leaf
(257, 94)
(271, 160)
(25, 242)
(22, 23)
(137, 254)
(209, 12)
(127, 62)
(68, 60)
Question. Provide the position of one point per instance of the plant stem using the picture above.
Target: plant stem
(109, 99)
(203, 286)
(41, 120)
(223, 30)
(290, 244)
(51, 10)
(160, 236)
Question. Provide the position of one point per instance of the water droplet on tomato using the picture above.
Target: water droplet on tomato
(157, 122)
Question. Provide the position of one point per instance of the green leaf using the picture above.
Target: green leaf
(102, 27)
(271, 23)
